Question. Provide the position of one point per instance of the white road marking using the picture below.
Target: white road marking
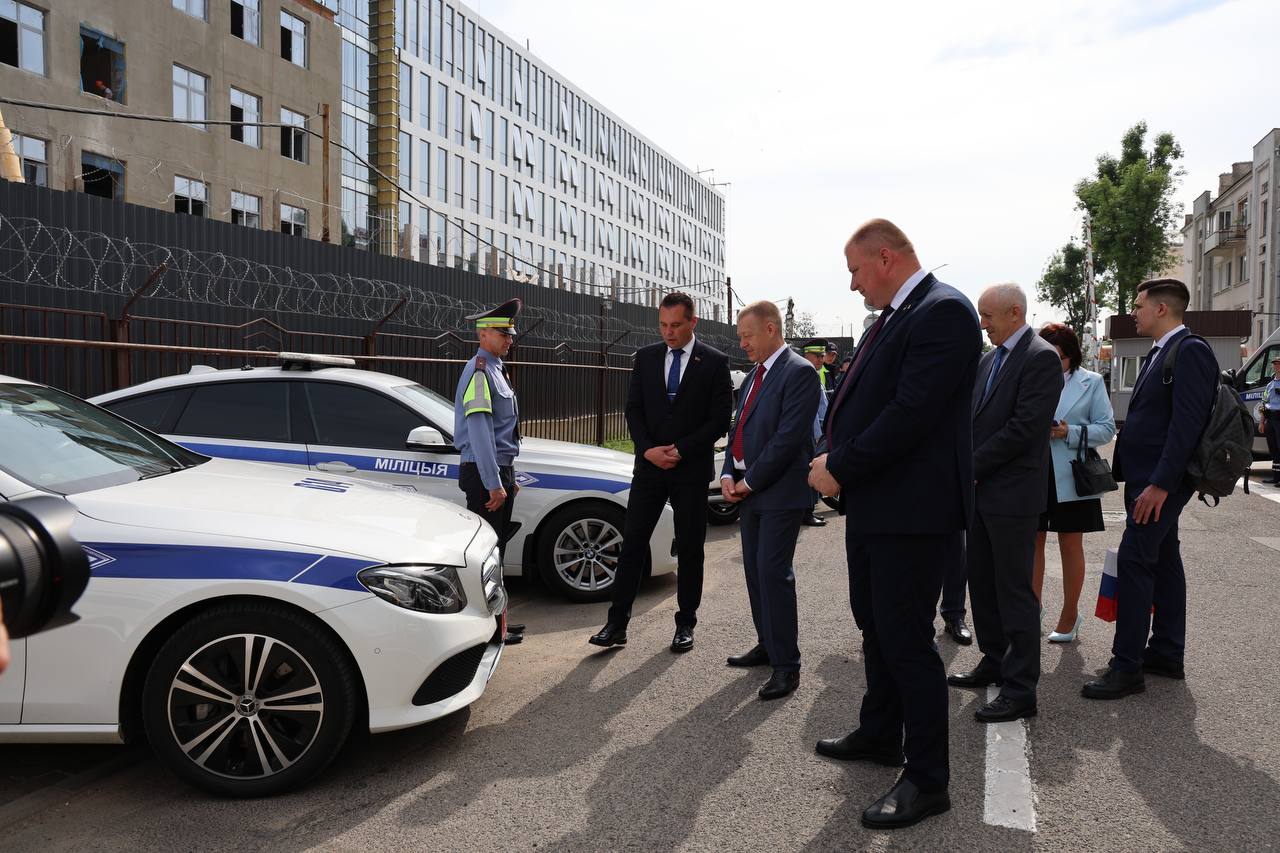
(1010, 801)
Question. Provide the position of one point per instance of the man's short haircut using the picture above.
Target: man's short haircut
(875, 233)
(1064, 338)
(765, 310)
(1170, 291)
(1008, 293)
(678, 297)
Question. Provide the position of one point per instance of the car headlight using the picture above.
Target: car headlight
(495, 594)
(427, 589)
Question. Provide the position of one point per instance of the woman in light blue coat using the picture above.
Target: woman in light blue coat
(1083, 406)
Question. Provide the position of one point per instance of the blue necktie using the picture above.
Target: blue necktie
(673, 375)
(1001, 352)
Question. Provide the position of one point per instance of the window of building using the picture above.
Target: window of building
(486, 194)
(356, 136)
(442, 110)
(22, 36)
(357, 72)
(456, 120)
(246, 20)
(293, 220)
(424, 101)
(190, 89)
(293, 39)
(33, 154)
(246, 108)
(424, 169)
(473, 186)
(488, 134)
(246, 210)
(406, 94)
(500, 143)
(101, 65)
(293, 139)
(194, 8)
(442, 175)
(438, 238)
(102, 176)
(190, 196)
(457, 180)
(356, 222)
(500, 199)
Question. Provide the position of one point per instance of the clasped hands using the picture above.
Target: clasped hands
(820, 478)
(665, 456)
(734, 492)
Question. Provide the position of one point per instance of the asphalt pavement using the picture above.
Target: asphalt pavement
(572, 748)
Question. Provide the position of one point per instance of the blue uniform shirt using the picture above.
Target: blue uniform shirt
(1271, 396)
(484, 418)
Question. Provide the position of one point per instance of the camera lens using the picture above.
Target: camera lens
(43, 570)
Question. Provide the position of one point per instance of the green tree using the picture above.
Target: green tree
(804, 326)
(1130, 201)
(1062, 285)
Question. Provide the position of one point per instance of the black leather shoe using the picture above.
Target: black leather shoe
(781, 683)
(813, 520)
(980, 676)
(851, 748)
(905, 805)
(683, 640)
(1114, 684)
(610, 635)
(756, 657)
(1002, 709)
(1156, 666)
(958, 631)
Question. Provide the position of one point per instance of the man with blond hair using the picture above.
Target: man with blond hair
(765, 469)
(899, 455)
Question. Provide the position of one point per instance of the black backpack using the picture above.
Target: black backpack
(1225, 451)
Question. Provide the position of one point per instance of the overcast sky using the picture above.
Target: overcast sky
(968, 124)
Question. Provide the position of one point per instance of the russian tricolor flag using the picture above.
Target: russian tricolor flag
(1106, 609)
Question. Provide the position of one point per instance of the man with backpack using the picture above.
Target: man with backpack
(1155, 452)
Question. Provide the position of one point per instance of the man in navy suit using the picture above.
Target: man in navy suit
(901, 459)
(1167, 415)
(765, 470)
(678, 405)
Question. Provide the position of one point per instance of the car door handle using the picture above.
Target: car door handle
(335, 467)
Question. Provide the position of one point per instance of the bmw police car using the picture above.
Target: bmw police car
(334, 420)
(243, 616)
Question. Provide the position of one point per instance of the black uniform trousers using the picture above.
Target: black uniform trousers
(1006, 615)
(1149, 572)
(894, 584)
(650, 491)
(1272, 425)
(955, 580)
(477, 496)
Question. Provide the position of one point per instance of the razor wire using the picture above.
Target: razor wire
(34, 253)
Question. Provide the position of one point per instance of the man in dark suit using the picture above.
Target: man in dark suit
(1167, 415)
(765, 470)
(678, 405)
(1017, 390)
(901, 459)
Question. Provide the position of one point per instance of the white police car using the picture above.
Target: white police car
(243, 616)
(331, 420)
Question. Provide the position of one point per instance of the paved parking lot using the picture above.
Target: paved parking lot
(576, 749)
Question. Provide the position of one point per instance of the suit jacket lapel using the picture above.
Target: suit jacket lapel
(891, 326)
(1071, 392)
(1156, 363)
(1011, 363)
(690, 369)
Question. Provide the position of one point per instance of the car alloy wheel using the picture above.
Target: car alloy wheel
(581, 549)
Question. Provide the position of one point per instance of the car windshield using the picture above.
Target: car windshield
(437, 409)
(61, 444)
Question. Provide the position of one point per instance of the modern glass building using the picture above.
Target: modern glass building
(495, 163)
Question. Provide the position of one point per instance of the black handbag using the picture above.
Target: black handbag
(1091, 472)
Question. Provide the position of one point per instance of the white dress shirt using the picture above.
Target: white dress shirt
(1009, 343)
(903, 292)
(687, 349)
(1164, 339)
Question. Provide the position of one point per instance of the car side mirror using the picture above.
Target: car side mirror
(426, 438)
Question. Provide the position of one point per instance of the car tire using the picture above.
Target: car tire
(723, 513)
(249, 699)
(579, 550)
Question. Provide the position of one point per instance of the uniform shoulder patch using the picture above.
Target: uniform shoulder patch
(481, 363)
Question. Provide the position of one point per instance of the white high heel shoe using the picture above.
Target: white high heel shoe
(1070, 636)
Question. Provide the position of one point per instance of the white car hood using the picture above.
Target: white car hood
(252, 501)
(584, 458)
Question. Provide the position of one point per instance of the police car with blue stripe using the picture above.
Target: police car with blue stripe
(323, 417)
(243, 616)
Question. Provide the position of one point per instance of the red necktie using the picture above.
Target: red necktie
(746, 408)
(863, 347)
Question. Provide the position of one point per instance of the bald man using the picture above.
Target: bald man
(1014, 399)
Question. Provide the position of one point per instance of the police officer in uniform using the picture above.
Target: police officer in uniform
(486, 421)
(1270, 424)
(815, 352)
(828, 369)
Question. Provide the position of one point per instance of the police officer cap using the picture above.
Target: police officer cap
(1275, 359)
(831, 347)
(817, 346)
(502, 318)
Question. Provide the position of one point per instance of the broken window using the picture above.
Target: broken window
(189, 91)
(246, 210)
(245, 108)
(293, 138)
(246, 20)
(190, 196)
(102, 176)
(22, 36)
(101, 65)
(293, 220)
(34, 156)
(293, 38)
